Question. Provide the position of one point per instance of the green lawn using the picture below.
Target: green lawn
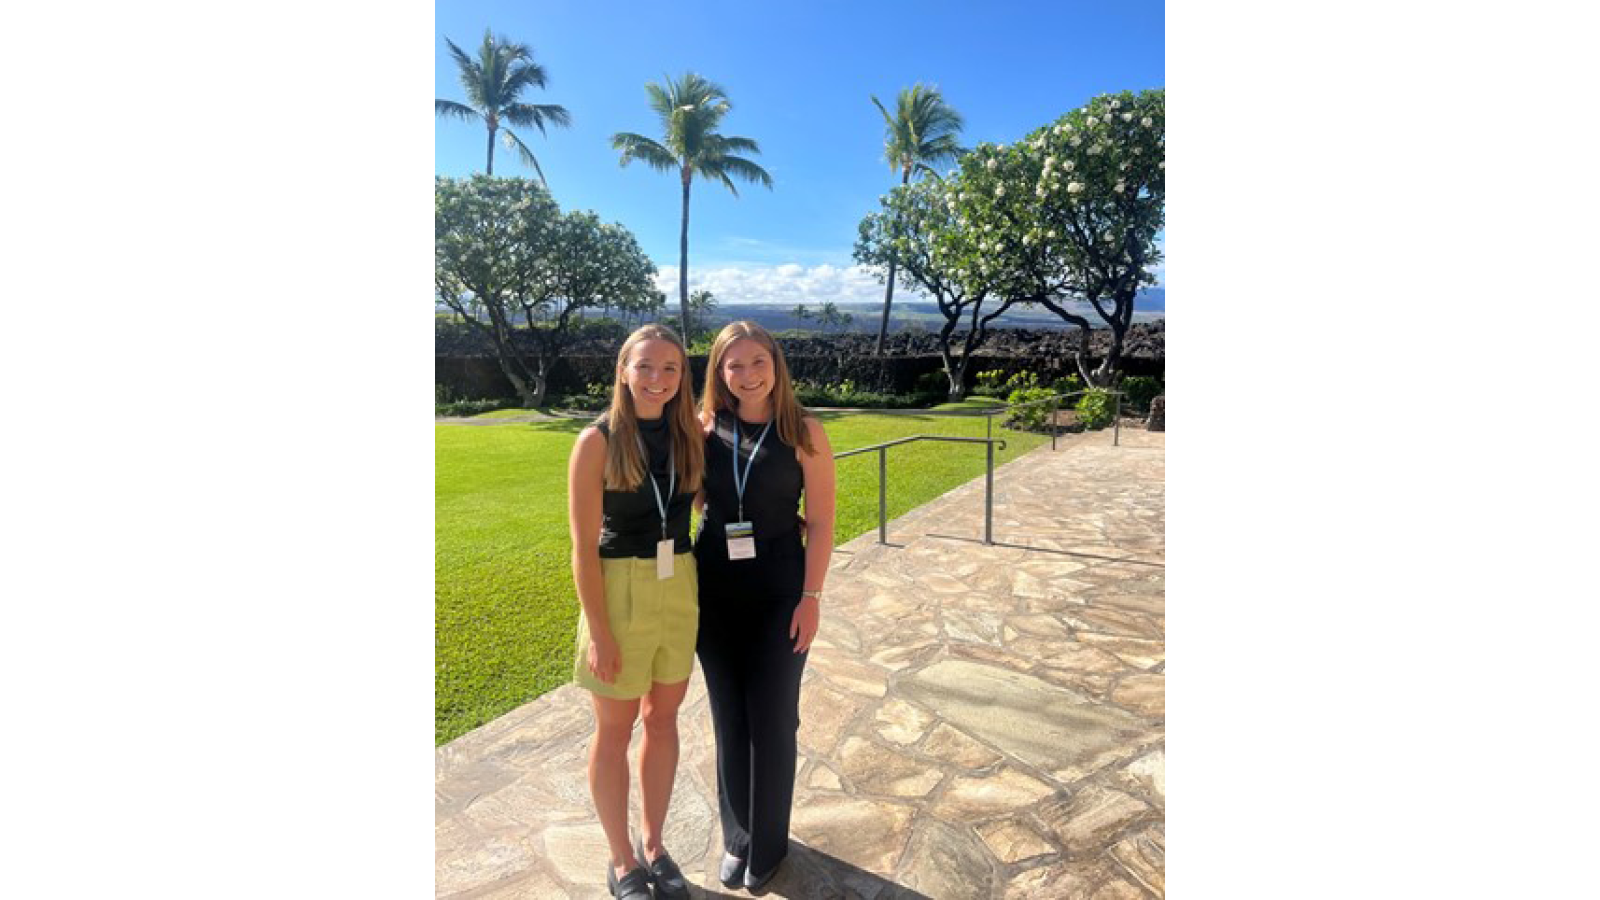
(505, 616)
(973, 403)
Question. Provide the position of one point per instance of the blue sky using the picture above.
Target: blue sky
(799, 76)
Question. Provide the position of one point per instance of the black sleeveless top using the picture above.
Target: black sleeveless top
(772, 494)
(631, 523)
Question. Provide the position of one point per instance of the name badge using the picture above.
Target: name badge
(664, 558)
(741, 540)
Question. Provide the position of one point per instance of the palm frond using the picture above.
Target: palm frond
(661, 101)
(647, 151)
(453, 110)
(715, 171)
(888, 119)
(529, 74)
(922, 130)
(468, 72)
(735, 144)
(536, 114)
(745, 169)
(512, 141)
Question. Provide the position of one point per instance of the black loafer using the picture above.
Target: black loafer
(633, 886)
(732, 870)
(754, 882)
(664, 874)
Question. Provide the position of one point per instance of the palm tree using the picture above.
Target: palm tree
(702, 303)
(829, 315)
(920, 134)
(801, 314)
(493, 82)
(690, 109)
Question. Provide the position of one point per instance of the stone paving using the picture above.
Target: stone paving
(976, 721)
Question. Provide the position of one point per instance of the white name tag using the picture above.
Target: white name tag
(741, 540)
(664, 559)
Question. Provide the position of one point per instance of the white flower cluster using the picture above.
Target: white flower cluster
(991, 164)
(1075, 187)
(1127, 117)
(1147, 122)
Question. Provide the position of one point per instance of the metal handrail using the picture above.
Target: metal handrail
(883, 477)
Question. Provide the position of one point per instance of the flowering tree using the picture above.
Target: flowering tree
(1072, 212)
(919, 232)
(503, 250)
(585, 264)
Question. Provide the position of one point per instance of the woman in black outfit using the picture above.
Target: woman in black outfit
(761, 568)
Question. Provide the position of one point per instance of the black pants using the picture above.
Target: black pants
(753, 683)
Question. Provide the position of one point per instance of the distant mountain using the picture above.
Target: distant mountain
(1148, 305)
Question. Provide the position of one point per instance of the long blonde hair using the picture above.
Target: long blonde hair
(786, 411)
(625, 466)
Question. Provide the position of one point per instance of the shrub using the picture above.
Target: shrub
(585, 402)
(1023, 380)
(935, 382)
(990, 383)
(1095, 408)
(1029, 418)
(456, 408)
(1067, 384)
(1140, 390)
(845, 393)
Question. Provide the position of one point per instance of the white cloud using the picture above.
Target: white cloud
(788, 283)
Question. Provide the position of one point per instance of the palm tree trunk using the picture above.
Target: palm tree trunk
(683, 264)
(894, 260)
(489, 169)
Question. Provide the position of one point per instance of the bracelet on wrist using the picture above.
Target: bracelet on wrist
(817, 594)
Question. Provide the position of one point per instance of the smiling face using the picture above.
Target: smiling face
(747, 372)
(653, 372)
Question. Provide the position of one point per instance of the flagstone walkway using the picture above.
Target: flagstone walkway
(976, 721)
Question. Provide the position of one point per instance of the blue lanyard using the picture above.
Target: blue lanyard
(738, 482)
(672, 482)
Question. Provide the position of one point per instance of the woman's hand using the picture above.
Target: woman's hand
(803, 627)
(605, 660)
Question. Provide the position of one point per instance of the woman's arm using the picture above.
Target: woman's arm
(706, 425)
(585, 491)
(819, 497)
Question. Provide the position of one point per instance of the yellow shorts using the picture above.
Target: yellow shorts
(655, 623)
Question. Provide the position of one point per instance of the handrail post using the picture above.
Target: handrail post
(988, 426)
(1054, 407)
(883, 495)
(988, 496)
(1116, 422)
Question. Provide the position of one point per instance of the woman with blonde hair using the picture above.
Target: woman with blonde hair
(631, 484)
(761, 568)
